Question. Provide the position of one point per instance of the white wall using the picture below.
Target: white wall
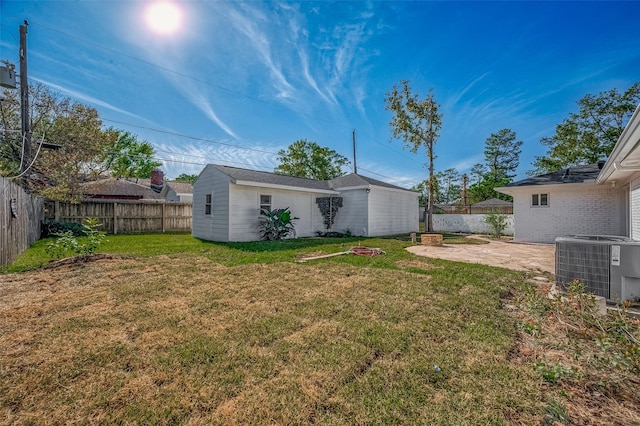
(468, 223)
(634, 210)
(214, 227)
(353, 215)
(392, 211)
(573, 209)
(245, 211)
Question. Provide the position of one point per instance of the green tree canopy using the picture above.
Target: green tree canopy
(449, 184)
(58, 121)
(130, 157)
(502, 157)
(417, 123)
(184, 177)
(502, 154)
(307, 159)
(589, 135)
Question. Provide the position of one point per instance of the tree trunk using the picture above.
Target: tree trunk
(429, 224)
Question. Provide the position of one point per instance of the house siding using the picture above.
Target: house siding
(572, 210)
(634, 210)
(392, 212)
(245, 211)
(213, 227)
(171, 195)
(353, 216)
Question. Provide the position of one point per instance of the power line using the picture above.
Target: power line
(179, 73)
(190, 137)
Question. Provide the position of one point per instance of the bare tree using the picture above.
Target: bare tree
(417, 123)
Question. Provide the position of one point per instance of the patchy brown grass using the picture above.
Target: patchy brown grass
(183, 339)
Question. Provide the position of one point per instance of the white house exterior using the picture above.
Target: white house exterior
(227, 202)
(622, 170)
(596, 199)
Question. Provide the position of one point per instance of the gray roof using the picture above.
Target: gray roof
(276, 179)
(272, 178)
(353, 179)
(180, 187)
(123, 188)
(576, 174)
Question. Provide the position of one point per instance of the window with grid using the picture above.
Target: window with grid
(539, 200)
(207, 204)
(265, 202)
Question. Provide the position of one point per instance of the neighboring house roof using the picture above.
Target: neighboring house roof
(181, 188)
(492, 203)
(245, 176)
(577, 174)
(113, 188)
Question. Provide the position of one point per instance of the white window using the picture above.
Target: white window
(539, 200)
(265, 202)
(207, 204)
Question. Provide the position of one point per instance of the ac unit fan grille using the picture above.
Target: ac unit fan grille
(588, 263)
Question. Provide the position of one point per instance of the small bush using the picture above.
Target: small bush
(497, 222)
(52, 228)
(67, 243)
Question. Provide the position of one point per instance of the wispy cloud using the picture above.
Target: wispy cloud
(248, 25)
(86, 98)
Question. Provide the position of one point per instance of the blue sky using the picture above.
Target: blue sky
(238, 81)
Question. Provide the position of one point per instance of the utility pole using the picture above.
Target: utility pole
(24, 97)
(355, 165)
(465, 196)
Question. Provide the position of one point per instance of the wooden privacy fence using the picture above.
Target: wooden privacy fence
(125, 216)
(20, 218)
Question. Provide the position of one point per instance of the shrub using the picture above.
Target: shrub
(497, 222)
(276, 224)
(52, 228)
(67, 242)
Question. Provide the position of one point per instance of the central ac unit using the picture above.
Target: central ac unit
(609, 266)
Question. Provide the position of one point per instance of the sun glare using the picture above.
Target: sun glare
(163, 17)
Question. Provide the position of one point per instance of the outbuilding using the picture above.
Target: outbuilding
(227, 202)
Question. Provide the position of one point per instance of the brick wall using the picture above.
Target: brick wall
(635, 208)
(575, 209)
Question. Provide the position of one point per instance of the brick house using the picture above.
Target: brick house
(595, 199)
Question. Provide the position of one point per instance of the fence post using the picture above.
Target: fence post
(115, 218)
(163, 217)
(56, 212)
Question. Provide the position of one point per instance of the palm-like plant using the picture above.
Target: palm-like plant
(276, 224)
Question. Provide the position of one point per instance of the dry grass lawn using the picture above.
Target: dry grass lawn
(182, 339)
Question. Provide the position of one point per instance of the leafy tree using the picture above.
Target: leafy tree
(75, 128)
(423, 192)
(591, 134)
(307, 159)
(78, 131)
(449, 181)
(502, 154)
(130, 157)
(502, 157)
(478, 171)
(417, 122)
(186, 178)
